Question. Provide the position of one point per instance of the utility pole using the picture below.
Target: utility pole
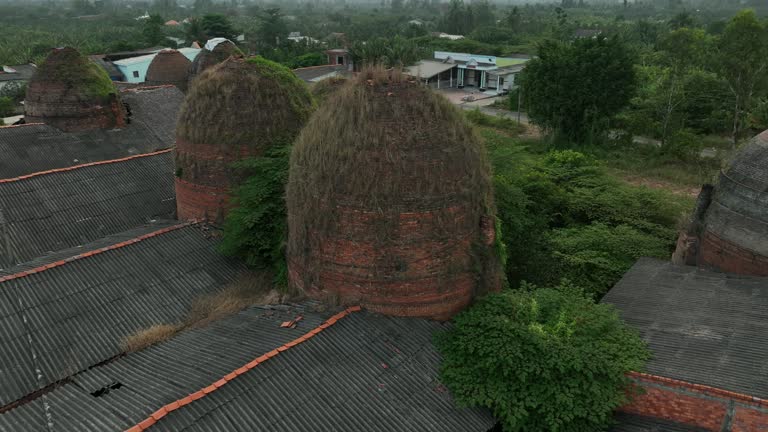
(519, 101)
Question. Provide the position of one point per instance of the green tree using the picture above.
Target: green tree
(153, 30)
(217, 25)
(743, 62)
(7, 107)
(272, 30)
(543, 360)
(394, 52)
(575, 89)
(194, 31)
(513, 20)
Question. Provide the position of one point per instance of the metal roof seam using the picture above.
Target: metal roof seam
(163, 411)
(93, 252)
(70, 168)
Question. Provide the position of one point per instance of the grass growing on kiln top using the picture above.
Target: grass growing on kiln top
(78, 72)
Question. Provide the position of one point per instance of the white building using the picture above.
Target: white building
(487, 73)
(134, 69)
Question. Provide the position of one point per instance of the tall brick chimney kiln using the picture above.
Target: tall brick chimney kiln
(234, 110)
(390, 203)
(70, 92)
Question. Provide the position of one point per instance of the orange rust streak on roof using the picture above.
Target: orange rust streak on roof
(83, 255)
(85, 165)
(164, 410)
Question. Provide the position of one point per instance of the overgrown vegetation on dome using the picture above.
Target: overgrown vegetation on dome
(542, 360)
(323, 89)
(266, 110)
(387, 145)
(76, 72)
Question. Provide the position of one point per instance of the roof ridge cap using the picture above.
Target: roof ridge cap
(164, 410)
(85, 165)
(83, 255)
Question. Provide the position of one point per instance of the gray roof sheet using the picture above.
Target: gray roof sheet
(23, 73)
(49, 212)
(702, 327)
(32, 148)
(313, 73)
(65, 319)
(366, 372)
(739, 209)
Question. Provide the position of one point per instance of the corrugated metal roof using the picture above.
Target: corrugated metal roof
(366, 372)
(317, 73)
(60, 321)
(69, 208)
(428, 68)
(702, 327)
(32, 148)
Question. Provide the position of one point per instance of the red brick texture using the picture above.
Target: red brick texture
(198, 202)
(421, 272)
(749, 420)
(718, 253)
(61, 94)
(204, 179)
(697, 405)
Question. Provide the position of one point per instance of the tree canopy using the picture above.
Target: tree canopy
(574, 89)
(541, 360)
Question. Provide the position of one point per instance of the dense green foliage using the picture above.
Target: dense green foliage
(542, 360)
(6, 107)
(255, 228)
(574, 89)
(563, 216)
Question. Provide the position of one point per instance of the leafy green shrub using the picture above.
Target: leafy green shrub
(541, 360)
(596, 256)
(562, 215)
(255, 228)
(6, 107)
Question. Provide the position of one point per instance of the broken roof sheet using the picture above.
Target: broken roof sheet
(73, 313)
(72, 206)
(37, 147)
(702, 327)
(363, 372)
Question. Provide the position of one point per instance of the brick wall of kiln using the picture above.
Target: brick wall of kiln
(705, 407)
(716, 252)
(52, 104)
(419, 271)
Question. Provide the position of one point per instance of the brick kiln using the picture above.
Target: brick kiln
(169, 67)
(390, 202)
(71, 93)
(215, 51)
(729, 230)
(235, 110)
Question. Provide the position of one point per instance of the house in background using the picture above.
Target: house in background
(487, 73)
(340, 56)
(134, 69)
(16, 75)
(297, 37)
